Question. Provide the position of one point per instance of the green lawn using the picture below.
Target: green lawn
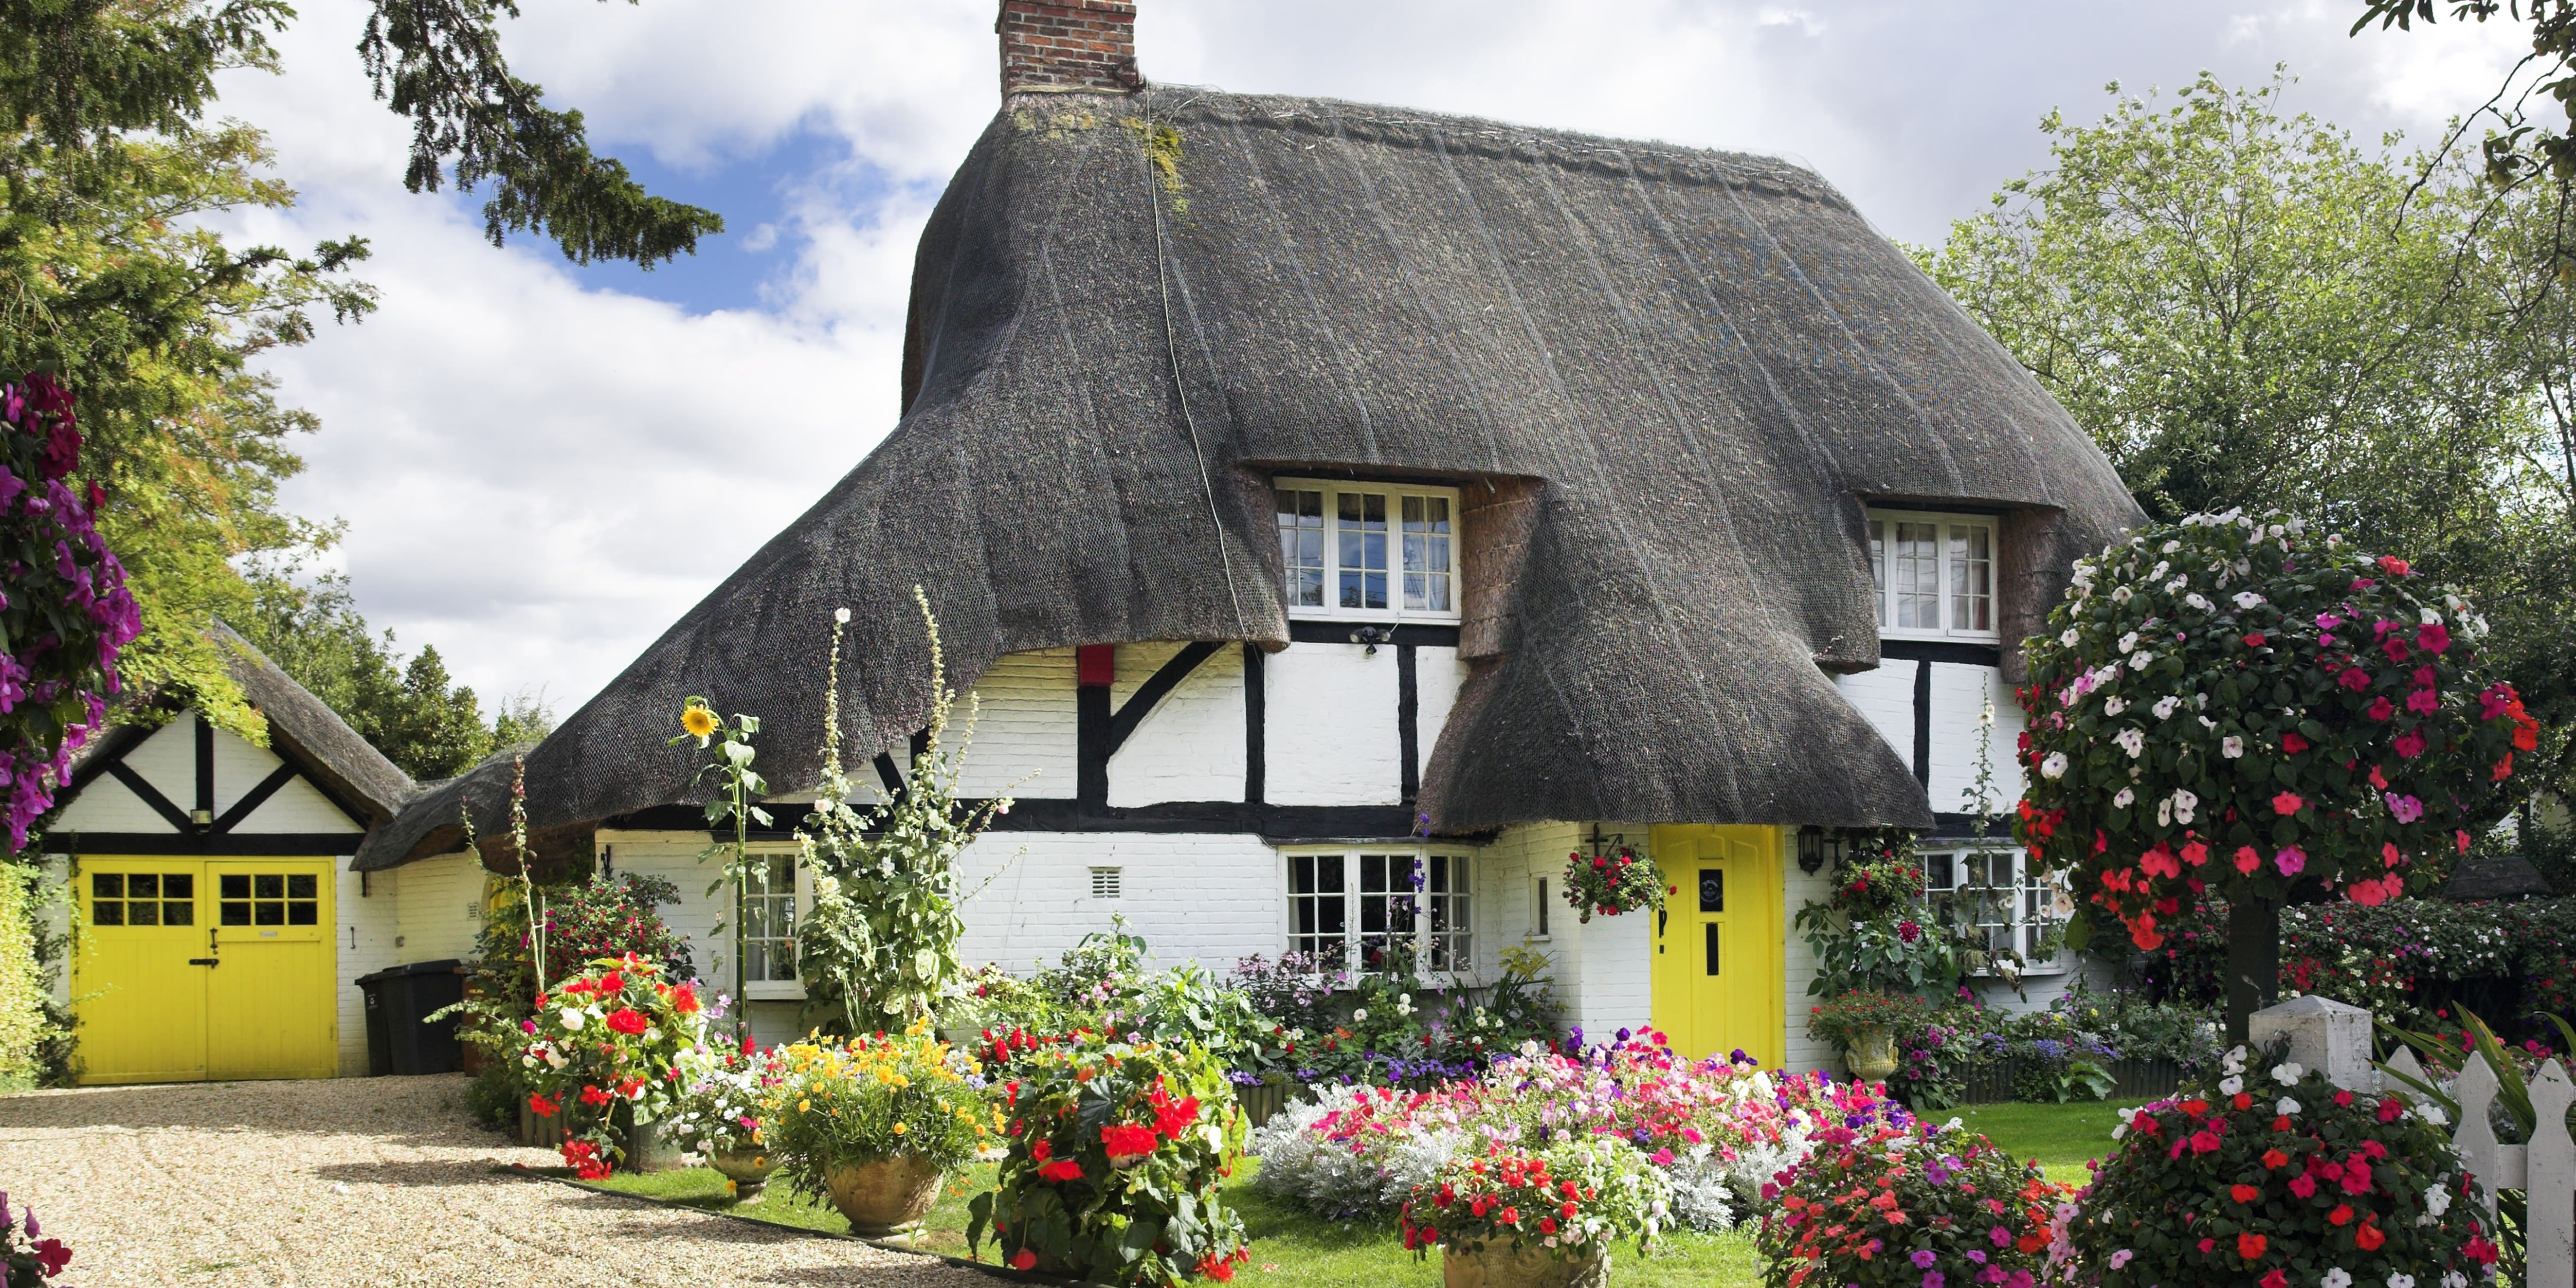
(1289, 1246)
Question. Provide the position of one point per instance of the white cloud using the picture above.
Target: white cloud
(540, 475)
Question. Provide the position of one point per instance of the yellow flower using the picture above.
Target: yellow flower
(699, 721)
(900, 1129)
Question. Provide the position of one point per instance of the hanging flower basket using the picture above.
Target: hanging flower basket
(1612, 883)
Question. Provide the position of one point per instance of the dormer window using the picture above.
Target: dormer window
(1374, 551)
(1934, 574)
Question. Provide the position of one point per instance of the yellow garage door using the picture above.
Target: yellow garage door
(1718, 942)
(205, 968)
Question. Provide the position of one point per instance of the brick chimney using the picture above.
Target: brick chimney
(1058, 46)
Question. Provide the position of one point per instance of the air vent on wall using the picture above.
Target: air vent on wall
(1104, 883)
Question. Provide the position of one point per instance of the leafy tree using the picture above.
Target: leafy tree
(2245, 309)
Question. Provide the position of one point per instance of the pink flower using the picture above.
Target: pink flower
(2433, 637)
(2423, 702)
(2354, 678)
(2291, 861)
(2287, 803)
(2381, 708)
(2405, 809)
(2410, 744)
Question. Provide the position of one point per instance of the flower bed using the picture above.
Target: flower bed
(2275, 1177)
(1908, 1206)
(1718, 1129)
(609, 1051)
(2084, 1047)
(1573, 1200)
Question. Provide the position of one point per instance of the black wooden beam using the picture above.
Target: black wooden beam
(219, 845)
(1256, 716)
(1340, 633)
(1408, 734)
(1091, 723)
(151, 795)
(257, 796)
(1156, 687)
(205, 764)
(889, 774)
(1941, 651)
(1923, 724)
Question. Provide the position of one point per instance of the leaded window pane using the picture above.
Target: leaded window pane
(1301, 546)
(1426, 554)
(1360, 522)
(1972, 577)
(1917, 572)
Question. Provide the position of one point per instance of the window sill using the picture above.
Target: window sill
(1373, 617)
(774, 991)
(1941, 637)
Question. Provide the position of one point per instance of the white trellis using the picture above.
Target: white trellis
(2544, 1169)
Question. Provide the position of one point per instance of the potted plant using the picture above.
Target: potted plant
(719, 1118)
(607, 1056)
(1542, 1220)
(1864, 1025)
(1902, 1205)
(1110, 1142)
(875, 1125)
(1613, 883)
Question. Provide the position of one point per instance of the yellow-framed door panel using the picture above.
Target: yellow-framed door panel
(138, 975)
(1719, 945)
(270, 1006)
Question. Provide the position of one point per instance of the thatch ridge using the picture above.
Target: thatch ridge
(1708, 359)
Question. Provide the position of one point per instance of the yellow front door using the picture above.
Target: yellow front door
(1719, 942)
(139, 982)
(205, 968)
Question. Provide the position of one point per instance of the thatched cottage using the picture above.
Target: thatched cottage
(1309, 488)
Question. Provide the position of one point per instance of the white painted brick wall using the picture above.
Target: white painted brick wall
(1212, 898)
(367, 926)
(439, 902)
(1332, 736)
(1800, 889)
(168, 760)
(1958, 694)
(1190, 748)
(1025, 740)
(107, 806)
(1885, 698)
(1437, 675)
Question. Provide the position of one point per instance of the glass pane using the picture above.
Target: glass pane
(1426, 553)
(106, 912)
(1360, 524)
(1972, 577)
(1940, 871)
(107, 885)
(1917, 569)
(1328, 873)
(300, 886)
(236, 914)
(178, 914)
(143, 885)
(1878, 568)
(1712, 889)
(1301, 874)
(1301, 546)
(144, 913)
(268, 885)
(268, 913)
(178, 885)
(1331, 918)
(301, 912)
(234, 885)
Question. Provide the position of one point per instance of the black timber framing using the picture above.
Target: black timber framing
(1923, 724)
(1156, 687)
(150, 795)
(1408, 733)
(219, 845)
(205, 765)
(1941, 651)
(1256, 726)
(258, 795)
(1341, 632)
(1056, 814)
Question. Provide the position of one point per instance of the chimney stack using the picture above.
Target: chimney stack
(1068, 46)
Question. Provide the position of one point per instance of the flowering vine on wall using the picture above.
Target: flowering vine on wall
(2235, 704)
(65, 613)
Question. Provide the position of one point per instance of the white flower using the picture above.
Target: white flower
(2132, 741)
(2432, 615)
(2433, 1114)
(2286, 1107)
(2164, 813)
(1359, 1016)
(2246, 600)
(2176, 584)
(2338, 1277)
(572, 1018)
(2138, 660)
(841, 615)
(2129, 642)
(2068, 637)
(2184, 802)
(2437, 1199)
(2165, 706)
(2197, 600)
(2230, 746)
(2401, 1281)
(2122, 800)
(2454, 1279)
(2053, 765)
(2287, 1073)
(2119, 594)
(2162, 567)
(2172, 546)
(2114, 706)
(2234, 1060)
(2120, 1129)
(2231, 1085)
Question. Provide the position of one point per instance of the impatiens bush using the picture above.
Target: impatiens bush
(835, 1105)
(1574, 1199)
(1612, 884)
(720, 1104)
(609, 1049)
(1908, 1206)
(1116, 1150)
(1870, 933)
(2275, 1177)
(2236, 705)
(65, 613)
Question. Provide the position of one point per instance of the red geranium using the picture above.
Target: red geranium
(628, 1020)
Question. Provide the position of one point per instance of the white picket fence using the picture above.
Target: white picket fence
(2544, 1169)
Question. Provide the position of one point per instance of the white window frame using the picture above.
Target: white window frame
(2034, 906)
(1395, 494)
(776, 990)
(1954, 530)
(1459, 860)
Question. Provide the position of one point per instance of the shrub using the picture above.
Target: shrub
(1612, 884)
(1847, 1018)
(1391, 1026)
(831, 1106)
(29, 1258)
(1907, 1206)
(721, 1106)
(2060, 1054)
(609, 1049)
(2279, 1177)
(1574, 1199)
(1869, 933)
(1115, 1153)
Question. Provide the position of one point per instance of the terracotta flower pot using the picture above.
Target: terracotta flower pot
(747, 1166)
(885, 1197)
(1500, 1265)
(1871, 1055)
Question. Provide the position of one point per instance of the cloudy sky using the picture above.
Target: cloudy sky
(540, 467)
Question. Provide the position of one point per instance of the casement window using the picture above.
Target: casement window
(1934, 574)
(2004, 905)
(1368, 551)
(771, 888)
(1369, 909)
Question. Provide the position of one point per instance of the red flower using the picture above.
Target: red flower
(629, 1021)
(2292, 744)
(2285, 803)
(2275, 1279)
(684, 999)
(595, 1096)
(2245, 1193)
(2393, 565)
(2275, 1159)
(2369, 1238)
(1062, 1169)
(543, 1107)
(2250, 1246)
(1127, 1141)
(1024, 1260)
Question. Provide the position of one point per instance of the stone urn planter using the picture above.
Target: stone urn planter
(650, 1149)
(1499, 1265)
(747, 1166)
(885, 1197)
(1871, 1055)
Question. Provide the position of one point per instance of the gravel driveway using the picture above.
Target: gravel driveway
(365, 1181)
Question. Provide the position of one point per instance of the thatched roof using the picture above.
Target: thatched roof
(349, 766)
(1704, 359)
(2501, 876)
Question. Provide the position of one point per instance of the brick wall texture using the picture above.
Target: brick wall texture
(1068, 45)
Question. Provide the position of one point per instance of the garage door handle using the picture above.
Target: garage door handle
(205, 961)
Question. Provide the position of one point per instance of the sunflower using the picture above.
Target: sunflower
(698, 720)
